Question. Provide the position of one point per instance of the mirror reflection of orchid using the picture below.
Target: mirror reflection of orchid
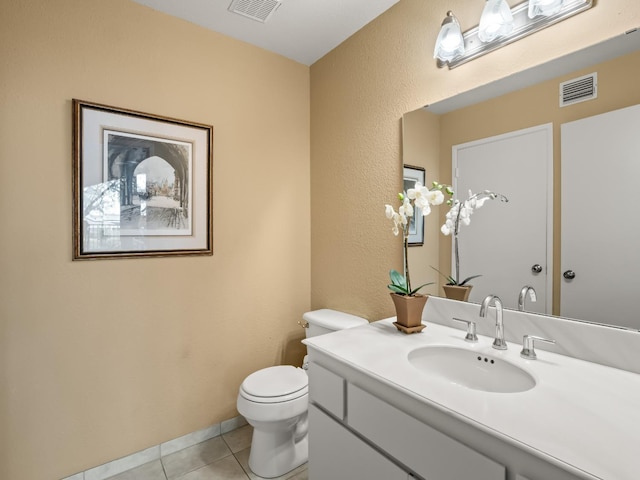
(460, 213)
(415, 201)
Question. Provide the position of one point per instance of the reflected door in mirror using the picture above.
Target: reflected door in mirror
(505, 241)
(600, 197)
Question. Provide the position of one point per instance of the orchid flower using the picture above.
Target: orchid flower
(460, 213)
(419, 197)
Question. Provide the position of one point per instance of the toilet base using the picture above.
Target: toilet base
(274, 453)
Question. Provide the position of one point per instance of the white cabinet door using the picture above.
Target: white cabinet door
(423, 449)
(335, 453)
(505, 240)
(326, 389)
(600, 222)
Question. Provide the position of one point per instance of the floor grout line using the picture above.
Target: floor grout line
(246, 474)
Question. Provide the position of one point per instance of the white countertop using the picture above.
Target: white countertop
(583, 415)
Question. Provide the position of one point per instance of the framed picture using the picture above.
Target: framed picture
(412, 175)
(142, 184)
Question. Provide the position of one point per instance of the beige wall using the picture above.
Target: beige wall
(537, 105)
(359, 92)
(104, 358)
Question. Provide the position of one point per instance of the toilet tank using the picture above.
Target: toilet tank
(319, 322)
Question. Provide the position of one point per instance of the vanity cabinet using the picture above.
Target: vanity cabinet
(356, 435)
(359, 428)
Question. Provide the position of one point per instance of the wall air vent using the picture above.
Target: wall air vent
(259, 10)
(579, 90)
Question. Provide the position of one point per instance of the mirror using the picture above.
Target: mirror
(527, 99)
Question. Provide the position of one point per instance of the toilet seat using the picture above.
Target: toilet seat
(275, 384)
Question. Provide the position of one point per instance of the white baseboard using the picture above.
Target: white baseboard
(134, 460)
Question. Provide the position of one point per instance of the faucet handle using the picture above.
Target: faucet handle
(471, 330)
(528, 350)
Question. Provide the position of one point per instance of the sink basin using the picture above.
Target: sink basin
(478, 371)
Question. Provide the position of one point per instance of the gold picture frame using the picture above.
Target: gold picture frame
(142, 184)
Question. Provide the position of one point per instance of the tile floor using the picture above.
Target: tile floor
(221, 458)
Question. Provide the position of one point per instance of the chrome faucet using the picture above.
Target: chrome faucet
(523, 294)
(499, 342)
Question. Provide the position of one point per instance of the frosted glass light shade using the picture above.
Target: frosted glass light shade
(544, 7)
(496, 20)
(449, 43)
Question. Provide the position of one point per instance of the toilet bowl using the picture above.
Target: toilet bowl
(274, 401)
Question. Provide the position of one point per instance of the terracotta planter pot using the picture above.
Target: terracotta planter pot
(455, 292)
(409, 312)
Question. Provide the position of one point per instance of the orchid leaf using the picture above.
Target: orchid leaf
(398, 283)
(396, 289)
(450, 279)
(398, 279)
(453, 281)
(415, 290)
(468, 279)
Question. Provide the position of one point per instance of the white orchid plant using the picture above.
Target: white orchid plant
(415, 201)
(460, 213)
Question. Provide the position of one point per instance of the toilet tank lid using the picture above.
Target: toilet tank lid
(333, 320)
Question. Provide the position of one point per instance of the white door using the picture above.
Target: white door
(600, 218)
(505, 242)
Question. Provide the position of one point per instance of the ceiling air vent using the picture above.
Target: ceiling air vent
(579, 90)
(259, 10)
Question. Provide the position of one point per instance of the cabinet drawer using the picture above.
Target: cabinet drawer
(335, 453)
(327, 390)
(429, 453)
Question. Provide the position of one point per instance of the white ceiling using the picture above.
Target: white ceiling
(302, 30)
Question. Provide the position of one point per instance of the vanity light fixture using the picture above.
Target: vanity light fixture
(527, 17)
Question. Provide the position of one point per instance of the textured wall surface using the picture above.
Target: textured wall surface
(360, 91)
(101, 359)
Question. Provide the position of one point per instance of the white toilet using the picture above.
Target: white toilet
(274, 401)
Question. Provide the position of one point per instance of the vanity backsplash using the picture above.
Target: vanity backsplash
(610, 346)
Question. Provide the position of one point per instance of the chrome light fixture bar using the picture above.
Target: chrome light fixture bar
(522, 27)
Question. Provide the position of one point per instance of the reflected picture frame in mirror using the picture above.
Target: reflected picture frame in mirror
(412, 175)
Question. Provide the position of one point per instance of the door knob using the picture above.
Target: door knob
(569, 274)
(537, 268)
